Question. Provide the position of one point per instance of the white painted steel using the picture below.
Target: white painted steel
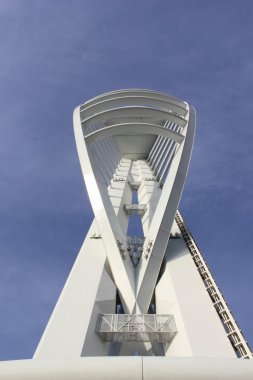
(233, 332)
(136, 141)
(110, 128)
(105, 217)
(133, 129)
(126, 368)
(124, 101)
(180, 291)
(149, 94)
(67, 332)
(160, 227)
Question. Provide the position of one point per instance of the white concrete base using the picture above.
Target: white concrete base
(128, 368)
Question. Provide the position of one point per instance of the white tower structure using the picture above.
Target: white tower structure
(140, 302)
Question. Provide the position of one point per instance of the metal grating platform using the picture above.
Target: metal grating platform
(136, 327)
(135, 209)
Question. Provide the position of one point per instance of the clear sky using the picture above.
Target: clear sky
(57, 54)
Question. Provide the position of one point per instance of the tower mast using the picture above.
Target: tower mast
(140, 297)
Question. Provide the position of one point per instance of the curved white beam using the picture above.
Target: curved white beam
(134, 92)
(128, 113)
(122, 101)
(133, 129)
(123, 122)
(105, 217)
(159, 231)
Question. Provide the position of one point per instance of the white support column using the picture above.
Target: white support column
(159, 231)
(72, 321)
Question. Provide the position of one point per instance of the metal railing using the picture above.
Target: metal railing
(136, 327)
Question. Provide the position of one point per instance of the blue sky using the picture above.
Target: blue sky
(55, 55)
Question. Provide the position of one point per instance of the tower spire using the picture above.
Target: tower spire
(139, 286)
(136, 285)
